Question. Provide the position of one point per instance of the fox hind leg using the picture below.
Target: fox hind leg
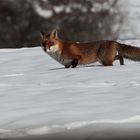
(107, 63)
(120, 58)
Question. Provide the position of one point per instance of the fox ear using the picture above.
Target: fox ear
(54, 34)
(42, 34)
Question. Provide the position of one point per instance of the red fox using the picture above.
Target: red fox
(71, 54)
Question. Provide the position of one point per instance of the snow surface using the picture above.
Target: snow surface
(39, 96)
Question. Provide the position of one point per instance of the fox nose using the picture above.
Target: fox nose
(45, 49)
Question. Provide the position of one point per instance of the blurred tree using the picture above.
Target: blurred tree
(77, 20)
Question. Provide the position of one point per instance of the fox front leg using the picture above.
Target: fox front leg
(67, 66)
(74, 63)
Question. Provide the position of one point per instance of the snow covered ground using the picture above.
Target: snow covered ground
(39, 96)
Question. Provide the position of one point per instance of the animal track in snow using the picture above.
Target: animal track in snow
(97, 85)
(134, 83)
(12, 75)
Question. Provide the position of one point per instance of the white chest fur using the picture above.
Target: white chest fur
(55, 53)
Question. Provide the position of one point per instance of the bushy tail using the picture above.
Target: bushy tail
(129, 52)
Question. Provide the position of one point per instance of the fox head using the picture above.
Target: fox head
(48, 40)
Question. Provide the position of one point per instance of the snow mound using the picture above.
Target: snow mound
(39, 96)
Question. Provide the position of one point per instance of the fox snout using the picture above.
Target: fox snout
(44, 48)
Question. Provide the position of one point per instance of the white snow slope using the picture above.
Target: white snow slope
(39, 96)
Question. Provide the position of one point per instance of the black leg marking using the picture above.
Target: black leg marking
(74, 63)
(67, 66)
(120, 58)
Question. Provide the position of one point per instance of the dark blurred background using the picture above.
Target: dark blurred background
(77, 20)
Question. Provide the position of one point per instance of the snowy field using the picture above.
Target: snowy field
(38, 96)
